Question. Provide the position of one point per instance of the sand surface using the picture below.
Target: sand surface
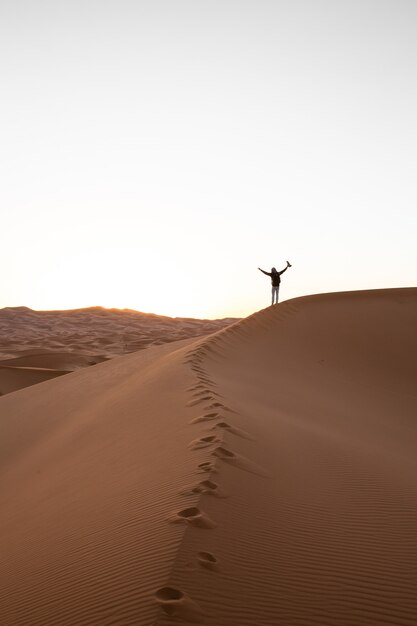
(265, 475)
(40, 345)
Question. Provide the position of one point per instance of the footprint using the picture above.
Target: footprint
(232, 429)
(208, 560)
(207, 417)
(193, 516)
(212, 392)
(177, 604)
(204, 442)
(224, 453)
(207, 487)
(239, 461)
(214, 406)
(195, 386)
(204, 392)
(199, 400)
(207, 466)
(217, 405)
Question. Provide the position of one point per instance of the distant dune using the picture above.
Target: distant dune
(15, 378)
(40, 345)
(265, 475)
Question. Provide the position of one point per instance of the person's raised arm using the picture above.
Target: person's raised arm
(263, 272)
(285, 268)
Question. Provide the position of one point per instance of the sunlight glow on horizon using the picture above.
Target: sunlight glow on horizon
(154, 155)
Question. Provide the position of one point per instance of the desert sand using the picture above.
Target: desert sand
(265, 475)
(40, 345)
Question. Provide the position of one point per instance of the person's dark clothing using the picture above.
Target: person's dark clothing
(275, 276)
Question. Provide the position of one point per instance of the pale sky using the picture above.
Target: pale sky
(154, 154)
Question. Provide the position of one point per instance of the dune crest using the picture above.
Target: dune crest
(286, 495)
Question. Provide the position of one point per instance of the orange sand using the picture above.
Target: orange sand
(263, 476)
(40, 345)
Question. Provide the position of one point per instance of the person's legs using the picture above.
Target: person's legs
(276, 294)
(273, 294)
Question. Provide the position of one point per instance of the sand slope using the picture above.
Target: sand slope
(14, 378)
(266, 475)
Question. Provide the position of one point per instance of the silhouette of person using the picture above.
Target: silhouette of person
(275, 280)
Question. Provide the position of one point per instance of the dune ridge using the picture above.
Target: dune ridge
(332, 540)
(263, 475)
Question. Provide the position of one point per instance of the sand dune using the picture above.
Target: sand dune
(15, 378)
(67, 340)
(68, 361)
(263, 476)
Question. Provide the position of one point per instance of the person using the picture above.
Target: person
(275, 280)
